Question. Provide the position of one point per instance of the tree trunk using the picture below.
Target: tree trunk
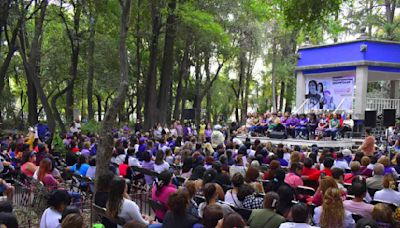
(32, 102)
(273, 76)
(106, 138)
(167, 65)
(31, 65)
(183, 70)
(197, 96)
(239, 95)
(247, 87)
(139, 89)
(91, 47)
(208, 80)
(150, 106)
(281, 96)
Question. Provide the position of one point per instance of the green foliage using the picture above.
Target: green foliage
(91, 127)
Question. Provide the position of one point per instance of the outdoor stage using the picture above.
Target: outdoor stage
(342, 143)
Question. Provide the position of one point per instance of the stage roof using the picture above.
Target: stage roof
(381, 57)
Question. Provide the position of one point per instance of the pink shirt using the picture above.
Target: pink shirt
(163, 198)
(359, 208)
(293, 180)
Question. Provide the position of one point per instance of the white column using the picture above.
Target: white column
(395, 89)
(300, 88)
(360, 97)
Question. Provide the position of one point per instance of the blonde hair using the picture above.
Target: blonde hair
(382, 213)
(333, 213)
(326, 183)
(384, 161)
(389, 182)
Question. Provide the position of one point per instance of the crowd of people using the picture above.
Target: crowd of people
(303, 126)
(208, 178)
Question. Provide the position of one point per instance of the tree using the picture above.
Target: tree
(106, 137)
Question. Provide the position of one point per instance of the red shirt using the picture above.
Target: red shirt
(309, 171)
(315, 176)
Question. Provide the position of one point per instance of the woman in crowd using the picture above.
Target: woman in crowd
(388, 193)
(383, 215)
(300, 217)
(332, 213)
(238, 167)
(193, 206)
(325, 183)
(28, 163)
(251, 179)
(231, 220)
(322, 126)
(231, 195)
(73, 220)
(368, 146)
(211, 196)
(366, 167)
(119, 204)
(355, 171)
(277, 181)
(91, 172)
(161, 191)
(270, 173)
(212, 214)
(246, 195)
(80, 167)
(58, 201)
(384, 160)
(45, 176)
(209, 177)
(160, 164)
(267, 217)
(178, 215)
(148, 164)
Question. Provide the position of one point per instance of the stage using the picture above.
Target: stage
(342, 143)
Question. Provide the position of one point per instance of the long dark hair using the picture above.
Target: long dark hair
(163, 180)
(159, 157)
(130, 152)
(81, 160)
(115, 196)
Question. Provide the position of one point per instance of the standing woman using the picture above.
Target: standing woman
(119, 204)
(332, 213)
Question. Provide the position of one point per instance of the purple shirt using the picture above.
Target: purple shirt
(303, 121)
(150, 166)
(292, 122)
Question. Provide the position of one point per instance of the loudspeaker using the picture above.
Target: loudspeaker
(389, 117)
(370, 118)
(188, 114)
(277, 135)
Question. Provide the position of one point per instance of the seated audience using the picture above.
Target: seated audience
(376, 181)
(29, 163)
(293, 178)
(246, 195)
(355, 170)
(120, 206)
(300, 217)
(357, 205)
(383, 215)
(388, 193)
(251, 179)
(212, 214)
(332, 213)
(160, 164)
(178, 215)
(161, 191)
(231, 194)
(211, 197)
(57, 202)
(231, 220)
(340, 162)
(267, 217)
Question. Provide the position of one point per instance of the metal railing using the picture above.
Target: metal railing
(379, 104)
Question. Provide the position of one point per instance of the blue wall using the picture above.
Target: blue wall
(349, 52)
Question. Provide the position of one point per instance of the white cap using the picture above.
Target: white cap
(346, 152)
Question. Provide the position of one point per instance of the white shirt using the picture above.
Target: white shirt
(388, 195)
(162, 167)
(50, 219)
(251, 153)
(296, 225)
(342, 164)
(231, 198)
(130, 211)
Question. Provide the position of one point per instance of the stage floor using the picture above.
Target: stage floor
(342, 143)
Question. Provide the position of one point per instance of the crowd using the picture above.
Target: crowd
(208, 178)
(299, 125)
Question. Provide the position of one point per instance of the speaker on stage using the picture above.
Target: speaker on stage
(277, 135)
(389, 117)
(370, 118)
